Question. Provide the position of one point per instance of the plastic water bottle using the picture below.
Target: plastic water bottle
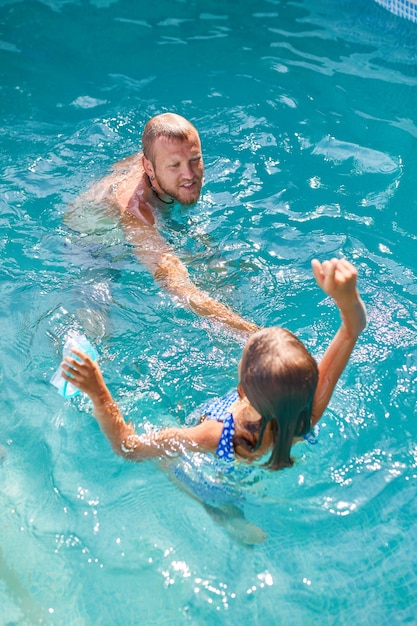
(80, 342)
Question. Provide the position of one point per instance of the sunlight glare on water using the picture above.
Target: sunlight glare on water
(307, 115)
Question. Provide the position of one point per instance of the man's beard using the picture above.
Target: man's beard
(185, 199)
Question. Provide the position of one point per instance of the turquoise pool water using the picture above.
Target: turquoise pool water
(307, 112)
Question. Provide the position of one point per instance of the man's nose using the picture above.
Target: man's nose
(187, 170)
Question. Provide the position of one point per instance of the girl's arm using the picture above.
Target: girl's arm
(86, 375)
(337, 278)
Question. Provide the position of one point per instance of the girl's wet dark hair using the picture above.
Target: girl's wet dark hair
(279, 377)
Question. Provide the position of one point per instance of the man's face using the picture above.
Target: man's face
(178, 169)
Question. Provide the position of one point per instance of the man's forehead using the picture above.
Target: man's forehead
(169, 146)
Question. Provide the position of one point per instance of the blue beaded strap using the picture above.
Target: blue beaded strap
(312, 436)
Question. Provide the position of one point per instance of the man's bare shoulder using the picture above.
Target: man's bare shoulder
(118, 186)
(128, 162)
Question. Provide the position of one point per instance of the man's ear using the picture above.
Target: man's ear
(240, 391)
(148, 167)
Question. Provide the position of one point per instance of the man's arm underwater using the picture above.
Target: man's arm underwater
(170, 272)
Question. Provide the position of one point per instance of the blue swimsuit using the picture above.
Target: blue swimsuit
(213, 488)
(218, 409)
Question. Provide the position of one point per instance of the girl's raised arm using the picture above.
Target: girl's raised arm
(337, 278)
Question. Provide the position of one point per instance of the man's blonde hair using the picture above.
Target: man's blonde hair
(169, 125)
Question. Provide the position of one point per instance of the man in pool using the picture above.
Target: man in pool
(169, 169)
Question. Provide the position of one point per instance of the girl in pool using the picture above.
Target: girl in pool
(282, 392)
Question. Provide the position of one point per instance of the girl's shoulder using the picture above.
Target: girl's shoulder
(203, 437)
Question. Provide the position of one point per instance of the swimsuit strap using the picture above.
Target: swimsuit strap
(225, 449)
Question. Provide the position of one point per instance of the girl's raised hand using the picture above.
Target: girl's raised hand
(337, 278)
